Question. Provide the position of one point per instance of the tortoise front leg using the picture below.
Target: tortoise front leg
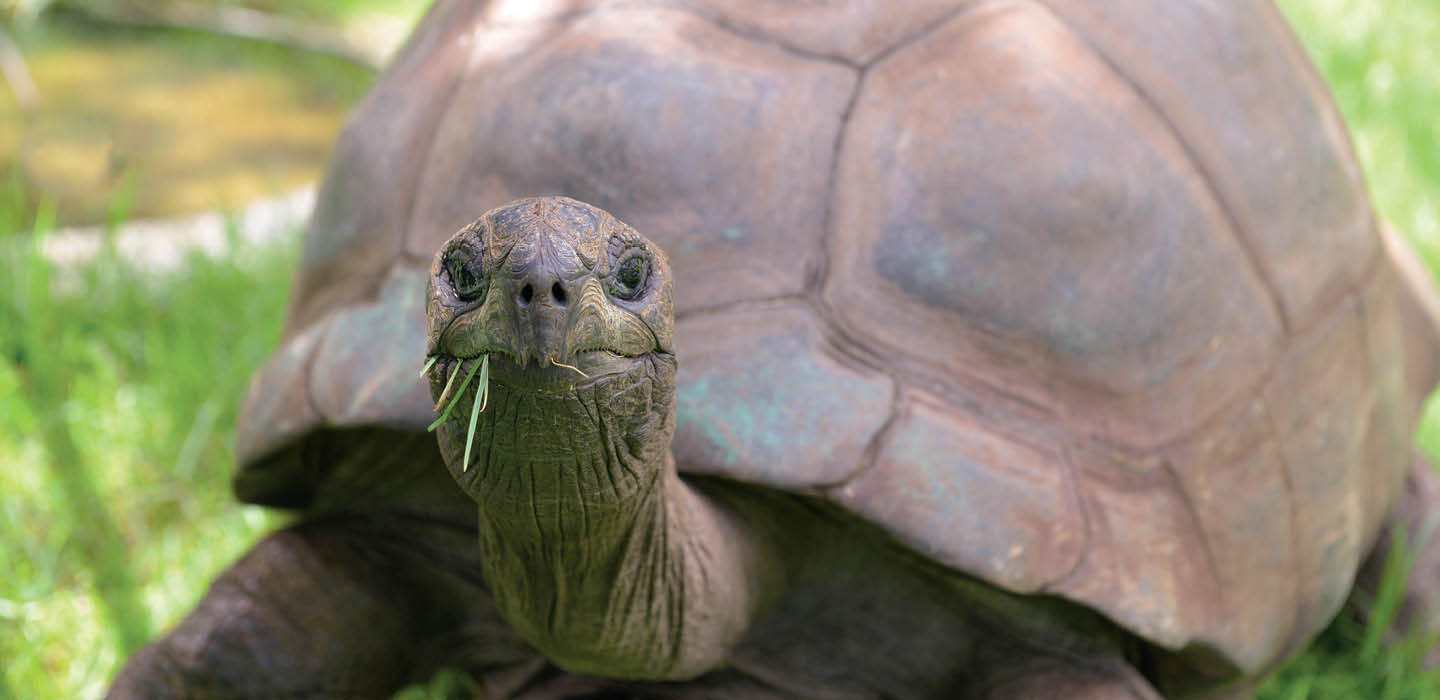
(353, 606)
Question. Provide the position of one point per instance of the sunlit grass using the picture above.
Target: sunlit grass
(118, 393)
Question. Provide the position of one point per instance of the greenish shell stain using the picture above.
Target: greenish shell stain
(765, 412)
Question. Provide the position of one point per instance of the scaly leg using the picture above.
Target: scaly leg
(345, 606)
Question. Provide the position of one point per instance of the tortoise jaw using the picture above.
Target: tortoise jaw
(532, 374)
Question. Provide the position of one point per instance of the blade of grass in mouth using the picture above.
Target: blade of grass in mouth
(458, 393)
(482, 396)
(429, 364)
(446, 391)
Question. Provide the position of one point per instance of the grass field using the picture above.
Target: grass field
(118, 400)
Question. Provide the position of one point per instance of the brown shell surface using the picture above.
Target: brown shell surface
(1079, 298)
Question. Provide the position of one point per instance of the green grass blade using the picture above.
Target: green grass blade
(458, 393)
(446, 391)
(485, 382)
(482, 395)
(1386, 606)
(428, 365)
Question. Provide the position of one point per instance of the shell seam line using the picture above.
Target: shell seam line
(1291, 521)
(877, 442)
(939, 23)
(751, 34)
(1197, 524)
(329, 323)
(1082, 505)
(1237, 234)
(816, 280)
(432, 143)
(738, 304)
(1257, 387)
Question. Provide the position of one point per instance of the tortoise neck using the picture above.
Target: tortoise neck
(661, 589)
(595, 550)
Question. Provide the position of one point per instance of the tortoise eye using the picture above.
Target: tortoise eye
(465, 279)
(630, 277)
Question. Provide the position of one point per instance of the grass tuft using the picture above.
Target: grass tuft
(1364, 656)
(482, 397)
(477, 405)
(445, 415)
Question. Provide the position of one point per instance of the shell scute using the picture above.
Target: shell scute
(762, 398)
(1002, 193)
(972, 498)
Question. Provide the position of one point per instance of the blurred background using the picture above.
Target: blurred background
(157, 162)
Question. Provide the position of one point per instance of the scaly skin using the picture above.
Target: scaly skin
(597, 552)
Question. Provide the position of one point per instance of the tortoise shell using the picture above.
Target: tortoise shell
(1081, 299)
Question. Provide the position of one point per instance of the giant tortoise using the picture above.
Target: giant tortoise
(990, 348)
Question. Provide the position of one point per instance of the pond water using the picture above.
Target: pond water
(158, 122)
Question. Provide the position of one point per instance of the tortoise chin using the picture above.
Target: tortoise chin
(538, 437)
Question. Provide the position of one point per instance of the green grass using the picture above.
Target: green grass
(118, 394)
(1355, 659)
(334, 12)
(477, 405)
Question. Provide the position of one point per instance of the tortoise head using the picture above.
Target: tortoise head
(550, 284)
(571, 314)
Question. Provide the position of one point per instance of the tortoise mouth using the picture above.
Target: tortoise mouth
(585, 369)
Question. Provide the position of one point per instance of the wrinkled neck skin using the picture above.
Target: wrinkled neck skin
(594, 548)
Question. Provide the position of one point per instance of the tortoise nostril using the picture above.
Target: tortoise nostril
(526, 294)
(558, 294)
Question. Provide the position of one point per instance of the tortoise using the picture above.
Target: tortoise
(998, 348)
